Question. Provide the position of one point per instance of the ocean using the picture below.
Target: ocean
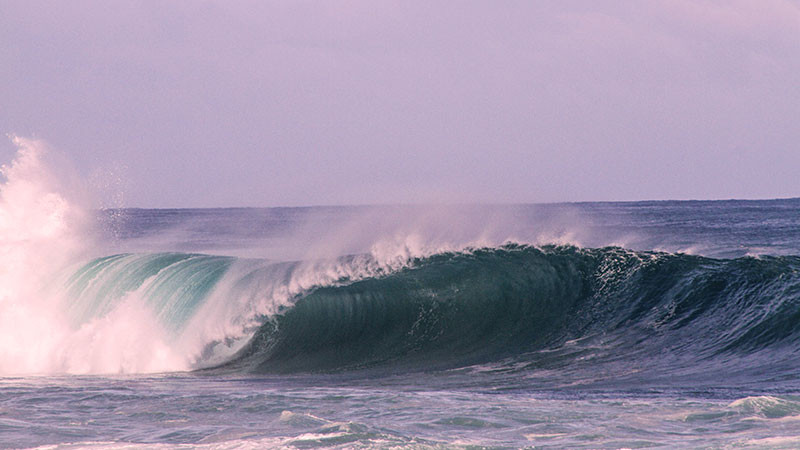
(666, 324)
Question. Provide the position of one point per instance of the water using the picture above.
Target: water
(298, 413)
(596, 325)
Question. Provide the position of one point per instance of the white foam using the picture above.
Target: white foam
(45, 226)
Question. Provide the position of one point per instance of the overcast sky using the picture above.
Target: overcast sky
(238, 103)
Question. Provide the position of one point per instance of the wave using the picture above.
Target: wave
(405, 304)
(205, 307)
(515, 306)
(517, 303)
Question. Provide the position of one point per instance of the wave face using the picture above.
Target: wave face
(173, 285)
(545, 307)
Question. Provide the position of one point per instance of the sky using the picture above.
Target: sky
(289, 103)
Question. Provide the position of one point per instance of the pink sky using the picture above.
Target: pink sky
(190, 103)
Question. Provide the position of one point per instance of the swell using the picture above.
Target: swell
(521, 304)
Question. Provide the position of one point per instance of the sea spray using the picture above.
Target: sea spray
(45, 226)
(68, 304)
(40, 231)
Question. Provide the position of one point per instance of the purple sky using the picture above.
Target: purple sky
(193, 103)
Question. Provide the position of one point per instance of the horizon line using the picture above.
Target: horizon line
(422, 204)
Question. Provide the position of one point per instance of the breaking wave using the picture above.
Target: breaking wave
(513, 304)
(516, 302)
(511, 307)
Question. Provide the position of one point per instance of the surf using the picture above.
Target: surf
(414, 298)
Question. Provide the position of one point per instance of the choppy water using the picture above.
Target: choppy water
(202, 412)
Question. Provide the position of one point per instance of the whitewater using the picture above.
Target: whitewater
(585, 325)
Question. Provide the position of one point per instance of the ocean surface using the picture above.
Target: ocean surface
(590, 325)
